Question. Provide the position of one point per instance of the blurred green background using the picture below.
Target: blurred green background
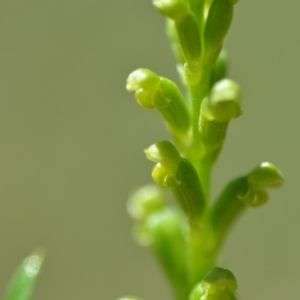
(72, 141)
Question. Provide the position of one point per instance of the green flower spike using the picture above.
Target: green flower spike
(187, 243)
(23, 281)
(218, 284)
(157, 92)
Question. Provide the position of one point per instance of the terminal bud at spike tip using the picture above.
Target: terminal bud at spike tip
(266, 175)
(224, 101)
(173, 9)
(144, 201)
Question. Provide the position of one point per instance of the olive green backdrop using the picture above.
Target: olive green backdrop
(72, 141)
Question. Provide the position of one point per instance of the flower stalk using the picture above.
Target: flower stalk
(187, 236)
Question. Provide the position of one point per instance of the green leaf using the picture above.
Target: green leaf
(23, 281)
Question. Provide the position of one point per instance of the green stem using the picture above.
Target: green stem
(198, 92)
(200, 261)
(205, 176)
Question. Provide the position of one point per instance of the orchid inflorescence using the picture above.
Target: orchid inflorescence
(187, 238)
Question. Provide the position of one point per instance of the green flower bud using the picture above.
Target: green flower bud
(218, 284)
(217, 24)
(165, 177)
(266, 175)
(219, 70)
(145, 98)
(176, 113)
(254, 198)
(173, 9)
(224, 102)
(144, 201)
(176, 173)
(189, 38)
(153, 91)
(192, 73)
(174, 41)
(142, 79)
(164, 153)
(189, 193)
(229, 206)
(165, 229)
(219, 280)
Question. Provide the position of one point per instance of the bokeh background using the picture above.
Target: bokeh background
(72, 141)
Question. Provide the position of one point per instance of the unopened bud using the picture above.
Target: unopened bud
(189, 38)
(254, 198)
(266, 175)
(144, 201)
(218, 22)
(164, 153)
(224, 102)
(165, 230)
(165, 177)
(142, 79)
(145, 98)
(218, 284)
